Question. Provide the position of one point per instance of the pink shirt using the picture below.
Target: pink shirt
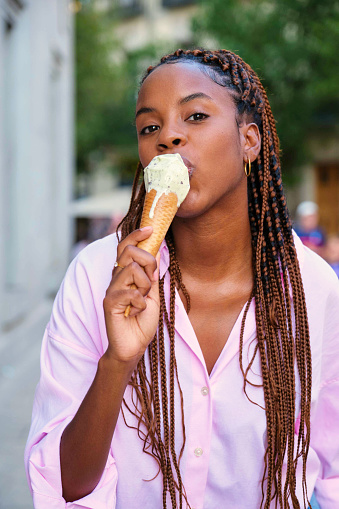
(222, 465)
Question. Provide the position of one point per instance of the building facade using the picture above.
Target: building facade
(320, 180)
(36, 151)
(146, 21)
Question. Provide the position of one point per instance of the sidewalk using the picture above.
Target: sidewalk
(19, 375)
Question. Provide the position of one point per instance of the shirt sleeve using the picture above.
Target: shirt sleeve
(72, 346)
(325, 419)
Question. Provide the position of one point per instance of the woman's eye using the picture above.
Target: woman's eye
(149, 129)
(198, 116)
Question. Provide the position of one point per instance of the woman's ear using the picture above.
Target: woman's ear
(251, 141)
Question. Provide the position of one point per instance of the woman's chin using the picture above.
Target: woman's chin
(189, 211)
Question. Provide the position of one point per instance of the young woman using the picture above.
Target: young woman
(220, 390)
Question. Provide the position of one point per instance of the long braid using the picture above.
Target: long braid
(283, 341)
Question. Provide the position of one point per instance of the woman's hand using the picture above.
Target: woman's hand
(129, 337)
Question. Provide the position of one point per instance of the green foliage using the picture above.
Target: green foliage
(94, 78)
(107, 80)
(293, 46)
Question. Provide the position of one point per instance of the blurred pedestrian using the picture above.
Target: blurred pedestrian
(332, 252)
(96, 228)
(307, 227)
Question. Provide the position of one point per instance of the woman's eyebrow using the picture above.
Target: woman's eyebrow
(197, 95)
(144, 110)
(184, 100)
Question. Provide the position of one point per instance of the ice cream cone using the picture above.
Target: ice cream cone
(167, 184)
(164, 212)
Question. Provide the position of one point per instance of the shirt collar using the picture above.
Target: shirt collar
(300, 248)
(164, 259)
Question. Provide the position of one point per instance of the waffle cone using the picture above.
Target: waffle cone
(164, 212)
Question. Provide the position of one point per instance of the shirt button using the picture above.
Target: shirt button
(198, 451)
(204, 391)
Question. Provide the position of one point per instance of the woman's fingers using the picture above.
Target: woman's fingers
(133, 274)
(121, 293)
(136, 267)
(135, 237)
(117, 302)
(152, 294)
(129, 338)
(128, 252)
(134, 254)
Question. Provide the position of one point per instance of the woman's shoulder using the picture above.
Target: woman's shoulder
(92, 268)
(103, 250)
(77, 313)
(97, 257)
(317, 275)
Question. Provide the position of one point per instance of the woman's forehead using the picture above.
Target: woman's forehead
(179, 77)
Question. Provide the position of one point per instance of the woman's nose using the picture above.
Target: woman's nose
(169, 139)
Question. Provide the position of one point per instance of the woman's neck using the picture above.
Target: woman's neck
(214, 247)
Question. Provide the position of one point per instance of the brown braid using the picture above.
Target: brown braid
(283, 341)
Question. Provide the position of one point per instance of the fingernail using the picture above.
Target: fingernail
(145, 228)
(155, 275)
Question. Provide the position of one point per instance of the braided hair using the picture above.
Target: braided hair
(283, 340)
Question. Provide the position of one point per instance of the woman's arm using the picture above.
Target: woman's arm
(86, 441)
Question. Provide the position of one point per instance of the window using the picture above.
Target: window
(177, 3)
(129, 8)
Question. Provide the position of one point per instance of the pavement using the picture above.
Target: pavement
(19, 375)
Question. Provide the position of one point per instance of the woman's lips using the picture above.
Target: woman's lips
(188, 165)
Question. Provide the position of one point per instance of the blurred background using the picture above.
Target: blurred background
(69, 74)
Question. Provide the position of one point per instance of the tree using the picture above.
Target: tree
(293, 46)
(95, 79)
(107, 79)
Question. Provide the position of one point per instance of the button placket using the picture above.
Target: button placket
(198, 451)
(204, 391)
(198, 434)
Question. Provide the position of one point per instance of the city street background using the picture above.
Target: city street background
(69, 75)
(19, 369)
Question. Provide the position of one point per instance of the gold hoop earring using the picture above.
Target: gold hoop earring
(247, 170)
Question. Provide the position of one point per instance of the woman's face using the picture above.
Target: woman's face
(181, 110)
